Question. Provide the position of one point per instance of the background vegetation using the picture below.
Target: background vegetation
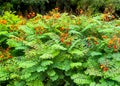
(74, 6)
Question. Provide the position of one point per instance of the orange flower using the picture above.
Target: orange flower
(33, 14)
(89, 38)
(101, 66)
(115, 46)
(20, 17)
(28, 16)
(107, 19)
(105, 15)
(110, 42)
(36, 28)
(118, 40)
(81, 11)
(56, 8)
(1, 56)
(47, 17)
(95, 39)
(78, 22)
(37, 18)
(0, 21)
(64, 35)
(109, 46)
(56, 15)
(104, 37)
(113, 16)
(8, 48)
(21, 39)
(68, 43)
(62, 39)
(30, 13)
(105, 69)
(61, 28)
(41, 32)
(114, 38)
(9, 56)
(3, 21)
(96, 42)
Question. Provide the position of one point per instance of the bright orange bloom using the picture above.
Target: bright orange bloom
(28, 16)
(81, 11)
(115, 46)
(95, 39)
(109, 46)
(56, 15)
(56, 8)
(113, 16)
(89, 38)
(61, 28)
(68, 43)
(62, 39)
(3, 21)
(104, 37)
(107, 19)
(96, 42)
(20, 39)
(33, 14)
(119, 41)
(78, 22)
(110, 42)
(8, 48)
(20, 17)
(40, 32)
(47, 17)
(9, 56)
(105, 15)
(64, 35)
(1, 56)
(105, 69)
(101, 66)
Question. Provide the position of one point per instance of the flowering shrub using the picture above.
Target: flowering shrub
(59, 50)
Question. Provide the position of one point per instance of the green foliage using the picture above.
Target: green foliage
(80, 79)
(91, 6)
(5, 6)
(28, 1)
(59, 50)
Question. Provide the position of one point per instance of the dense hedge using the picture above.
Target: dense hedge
(58, 49)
